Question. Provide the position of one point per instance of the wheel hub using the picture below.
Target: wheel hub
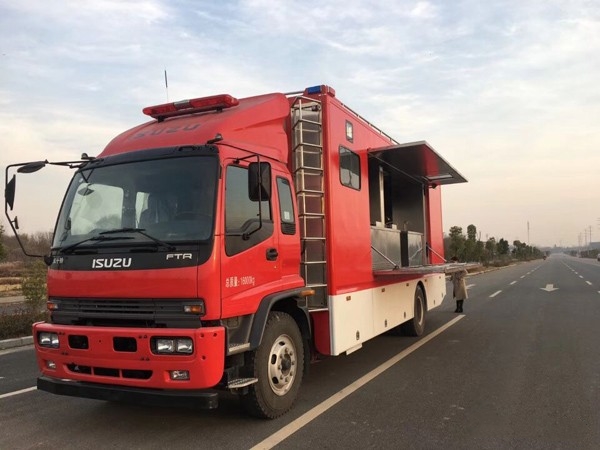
(282, 365)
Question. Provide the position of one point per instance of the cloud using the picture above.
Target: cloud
(506, 91)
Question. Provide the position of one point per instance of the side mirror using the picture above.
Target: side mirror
(9, 192)
(32, 167)
(259, 181)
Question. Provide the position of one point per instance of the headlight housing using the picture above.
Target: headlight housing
(48, 340)
(172, 345)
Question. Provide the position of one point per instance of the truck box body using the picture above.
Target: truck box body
(345, 238)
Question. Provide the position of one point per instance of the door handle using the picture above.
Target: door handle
(272, 254)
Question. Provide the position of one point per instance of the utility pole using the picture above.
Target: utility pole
(528, 241)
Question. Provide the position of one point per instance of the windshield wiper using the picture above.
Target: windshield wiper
(70, 248)
(140, 231)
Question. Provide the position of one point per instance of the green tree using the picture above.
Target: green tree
(472, 233)
(490, 247)
(470, 253)
(480, 252)
(33, 286)
(503, 247)
(457, 242)
(520, 250)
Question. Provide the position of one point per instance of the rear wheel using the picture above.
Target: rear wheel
(277, 363)
(416, 326)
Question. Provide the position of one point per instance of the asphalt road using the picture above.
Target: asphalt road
(519, 370)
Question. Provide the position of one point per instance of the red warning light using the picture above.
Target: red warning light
(195, 105)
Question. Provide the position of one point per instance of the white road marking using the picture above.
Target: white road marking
(549, 288)
(523, 276)
(312, 414)
(494, 294)
(580, 276)
(589, 282)
(513, 283)
(22, 391)
(469, 286)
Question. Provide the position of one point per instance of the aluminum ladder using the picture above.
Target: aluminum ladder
(308, 172)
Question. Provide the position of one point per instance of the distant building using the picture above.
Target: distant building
(595, 245)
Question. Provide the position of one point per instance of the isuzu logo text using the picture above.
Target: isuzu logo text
(111, 263)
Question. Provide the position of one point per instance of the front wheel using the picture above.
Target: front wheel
(416, 326)
(278, 364)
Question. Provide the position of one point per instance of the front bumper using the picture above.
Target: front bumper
(123, 357)
(203, 399)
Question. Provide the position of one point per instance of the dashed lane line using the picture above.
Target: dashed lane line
(22, 391)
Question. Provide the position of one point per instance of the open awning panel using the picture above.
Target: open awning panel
(419, 161)
(448, 269)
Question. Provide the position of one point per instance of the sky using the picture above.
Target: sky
(507, 91)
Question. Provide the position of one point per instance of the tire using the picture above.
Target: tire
(278, 364)
(416, 325)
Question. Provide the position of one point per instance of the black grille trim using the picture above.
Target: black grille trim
(151, 313)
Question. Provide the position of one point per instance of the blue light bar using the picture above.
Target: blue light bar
(313, 90)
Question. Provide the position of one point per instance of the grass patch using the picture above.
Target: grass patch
(18, 323)
(11, 270)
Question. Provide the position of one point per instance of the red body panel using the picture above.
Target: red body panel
(256, 124)
(435, 235)
(347, 213)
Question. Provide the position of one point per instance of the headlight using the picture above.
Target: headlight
(173, 345)
(185, 346)
(46, 339)
(165, 345)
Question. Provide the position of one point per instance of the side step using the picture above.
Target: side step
(237, 348)
(241, 382)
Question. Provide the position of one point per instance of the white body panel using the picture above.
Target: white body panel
(359, 316)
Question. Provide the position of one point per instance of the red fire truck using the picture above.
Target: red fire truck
(227, 242)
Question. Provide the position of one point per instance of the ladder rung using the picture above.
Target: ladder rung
(310, 191)
(311, 170)
(312, 263)
(303, 120)
(309, 144)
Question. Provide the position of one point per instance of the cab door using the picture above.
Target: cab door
(251, 263)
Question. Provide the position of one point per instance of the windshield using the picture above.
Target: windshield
(169, 199)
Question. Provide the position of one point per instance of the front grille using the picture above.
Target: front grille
(163, 313)
(110, 372)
